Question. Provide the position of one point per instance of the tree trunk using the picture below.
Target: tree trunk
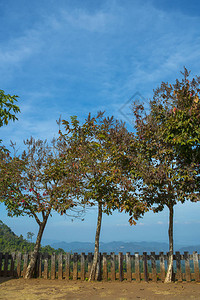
(93, 273)
(31, 266)
(169, 275)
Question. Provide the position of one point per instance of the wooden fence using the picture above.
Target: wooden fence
(148, 267)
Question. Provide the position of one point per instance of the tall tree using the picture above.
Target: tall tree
(96, 146)
(158, 172)
(28, 187)
(169, 173)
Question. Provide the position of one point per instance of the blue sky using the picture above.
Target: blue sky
(75, 57)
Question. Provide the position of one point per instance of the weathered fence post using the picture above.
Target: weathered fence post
(89, 263)
(5, 273)
(145, 267)
(40, 265)
(82, 266)
(1, 258)
(60, 266)
(105, 271)
(178, 266)
(19, 256)
(153, 267)
(196, 266)
(187, 266)
(46, 259)
(25, 264)
(75, 266)
(120, 261)
(137, 267)
(128, 267)
(53, 266)
(12, 267)
(112, 262)
(67, 265)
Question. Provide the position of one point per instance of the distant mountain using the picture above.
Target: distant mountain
(190, 249)
(124, 247)
(9, 242)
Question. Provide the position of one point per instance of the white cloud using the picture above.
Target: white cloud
(141, 224)
(160, 223)
(82, 20)
(123, 225)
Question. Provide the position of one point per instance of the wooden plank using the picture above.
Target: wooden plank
(19, 256)
(112, 262)
(67, 265)
(120, 262)
(82, 266)
(1, 261)
(53, 266)
(5, 272)
(137, 267)
(162, 266)
(12, 267)
(75, 266)
(105, 267)
(153, 266)
(60, 266)
(36, 268)
(178, 266)
(187, 266)
(196, 266)
(25, 256)
(90, 258)
(146, 276)
(46, 259)
(128, 267)
(39, 265)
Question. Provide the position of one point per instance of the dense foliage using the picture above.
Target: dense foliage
(8, 108)
(8, 111)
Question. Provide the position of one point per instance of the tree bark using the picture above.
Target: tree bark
(31, 266)
(169, 275)
(94, 273)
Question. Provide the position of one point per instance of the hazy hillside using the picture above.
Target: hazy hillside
(10, 242)
(116, 247)
(113, 247)
(190, 249)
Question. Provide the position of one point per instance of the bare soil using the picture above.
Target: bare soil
(42, 289)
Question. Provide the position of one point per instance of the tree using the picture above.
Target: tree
(8, 110)
(96, 146)
(168, 174)
(28, 187)
(30, 235)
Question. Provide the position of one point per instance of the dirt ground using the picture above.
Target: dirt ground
(42, 289)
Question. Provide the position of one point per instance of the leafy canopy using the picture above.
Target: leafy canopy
(8, 108)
